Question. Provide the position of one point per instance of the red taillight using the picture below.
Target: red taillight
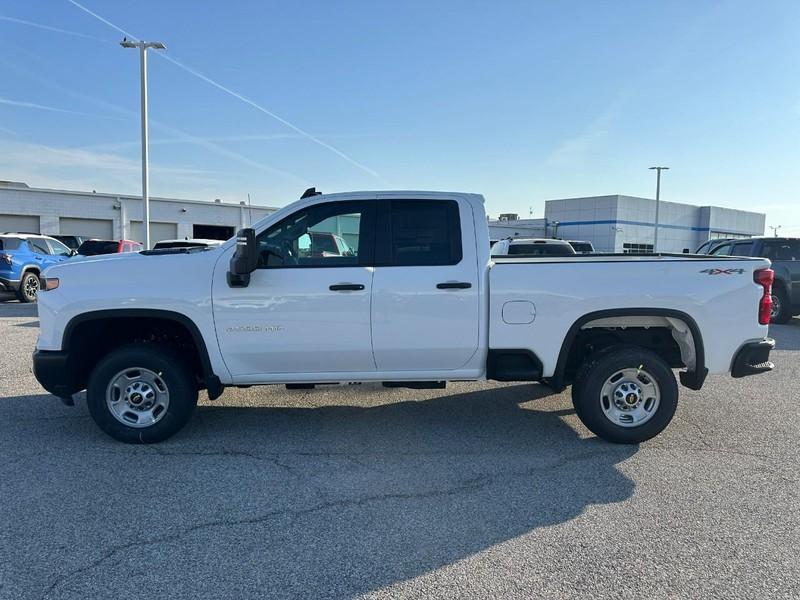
(764, 277)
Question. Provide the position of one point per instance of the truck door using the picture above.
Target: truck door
(307, 307)
(425, 296)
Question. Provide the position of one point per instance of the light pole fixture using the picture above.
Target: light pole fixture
(658, 199)
(775, 229)
(143, 47)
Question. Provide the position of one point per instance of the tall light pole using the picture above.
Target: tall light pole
(658, 199)
(143, 47)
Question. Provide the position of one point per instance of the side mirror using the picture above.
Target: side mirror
(244, 260)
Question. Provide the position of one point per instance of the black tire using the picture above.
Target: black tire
(28, 287)
(782, 311)
(173, 372)
(589, 404)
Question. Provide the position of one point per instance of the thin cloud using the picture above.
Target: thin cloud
(189, 138)
(248, 137)
(34, 105)
(51, 28)
(236, 95)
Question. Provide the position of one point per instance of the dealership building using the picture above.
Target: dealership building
(626, 224)
(611, 223)
(118, 216)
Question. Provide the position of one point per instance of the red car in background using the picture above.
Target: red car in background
(95, 247)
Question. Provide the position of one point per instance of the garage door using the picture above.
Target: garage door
(158, 231)
(102, 229)
(19, 224)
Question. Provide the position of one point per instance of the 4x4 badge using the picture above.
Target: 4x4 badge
(723, 271)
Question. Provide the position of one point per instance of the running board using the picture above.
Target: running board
(416, 385)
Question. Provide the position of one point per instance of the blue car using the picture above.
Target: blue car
(23, 257)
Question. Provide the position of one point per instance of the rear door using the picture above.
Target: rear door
(41, 252)
(425, 298)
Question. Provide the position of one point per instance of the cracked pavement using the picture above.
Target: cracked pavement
(481, 490)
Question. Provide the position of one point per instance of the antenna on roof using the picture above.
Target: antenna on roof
(312, 191)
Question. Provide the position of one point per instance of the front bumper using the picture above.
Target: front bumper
(52, 370)
(753, 358)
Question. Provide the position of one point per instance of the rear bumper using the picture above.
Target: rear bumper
(8, 285)
(753, 358)
(51, 369)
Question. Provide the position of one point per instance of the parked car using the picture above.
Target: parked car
(72, 242)
(708, 246)
(23, 258)
(417, 304)
(532, 247)
(187, 243)
(95, 247)
(785, 256)
(581, 247)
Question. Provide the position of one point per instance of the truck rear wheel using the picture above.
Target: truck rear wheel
(141, 393)
(626, 396)
(781, 310)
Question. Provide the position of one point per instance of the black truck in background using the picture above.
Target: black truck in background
(785, 256)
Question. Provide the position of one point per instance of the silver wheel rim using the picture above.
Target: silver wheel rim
(137, 397)
(776, 306)
(630, 397)
(31, 286)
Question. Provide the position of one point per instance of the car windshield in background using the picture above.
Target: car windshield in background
(95, 247)
(581, 246)
(540, 249)
(9, 243)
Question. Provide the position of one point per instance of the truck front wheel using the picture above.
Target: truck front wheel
(626, 396)
(141, 393)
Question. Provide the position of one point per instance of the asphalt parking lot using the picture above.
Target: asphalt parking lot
(482, 490)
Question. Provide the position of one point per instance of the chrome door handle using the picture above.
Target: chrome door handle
(346, 287)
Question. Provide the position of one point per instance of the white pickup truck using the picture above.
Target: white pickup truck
(415, 302)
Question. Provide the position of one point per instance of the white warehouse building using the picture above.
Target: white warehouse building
(119, 216)
(620, 223)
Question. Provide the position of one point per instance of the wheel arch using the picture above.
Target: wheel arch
(692, 378)
(73, 327)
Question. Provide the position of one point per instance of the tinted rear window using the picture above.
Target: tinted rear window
(782, 250)
(540, 249)
(425, 232)
(93, 247)
(9, 243)
(581, 246)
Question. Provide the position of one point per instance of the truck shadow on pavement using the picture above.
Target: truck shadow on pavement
(334, 501)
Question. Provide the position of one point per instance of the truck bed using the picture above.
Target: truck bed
(715, 293)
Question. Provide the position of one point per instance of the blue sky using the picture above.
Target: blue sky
(520, 101)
